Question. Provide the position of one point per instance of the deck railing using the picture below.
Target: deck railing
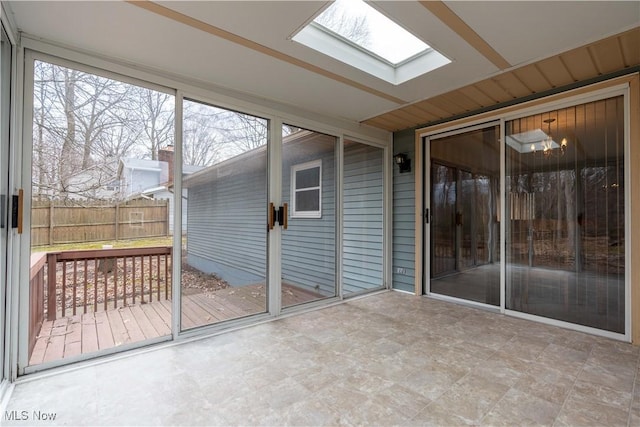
(37, 287)
(94, 280)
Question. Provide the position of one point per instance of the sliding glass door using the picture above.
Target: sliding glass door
(562, 215)
(464, 250)
(101, 205)
(5, 108)
(309, 182)
(566, 214)
(224, 213)
(152, 214)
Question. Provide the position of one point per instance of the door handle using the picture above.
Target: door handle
(285, 216)
(458, 218)
(271, 217)
(3, 210)
(17, 210)
(281, 215)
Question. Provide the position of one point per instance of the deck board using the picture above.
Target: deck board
(146, 327)
(105, 336)
(90, 332)
(160, 324)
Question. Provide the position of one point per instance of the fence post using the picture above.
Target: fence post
(52, 263)
(167, 224)
(51, 213)
(117, 220)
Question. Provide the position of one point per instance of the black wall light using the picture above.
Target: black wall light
(403, 161)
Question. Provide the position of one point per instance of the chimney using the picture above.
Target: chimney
(166, 155)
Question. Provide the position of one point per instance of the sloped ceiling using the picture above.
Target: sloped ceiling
(499, 50)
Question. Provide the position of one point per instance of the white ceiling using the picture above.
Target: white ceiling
(521, 32)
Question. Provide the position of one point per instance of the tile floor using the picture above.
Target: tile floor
(387, 359)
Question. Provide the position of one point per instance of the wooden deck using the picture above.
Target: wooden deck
(86, 333)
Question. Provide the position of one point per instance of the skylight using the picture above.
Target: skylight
(363, 25)
(357, 34)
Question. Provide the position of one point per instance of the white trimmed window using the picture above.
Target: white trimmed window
(306, 190)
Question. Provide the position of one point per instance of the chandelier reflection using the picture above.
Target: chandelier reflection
(548, 146)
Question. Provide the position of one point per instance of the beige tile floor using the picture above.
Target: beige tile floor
(387, 359)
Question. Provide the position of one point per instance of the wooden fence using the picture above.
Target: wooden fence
(54, 222)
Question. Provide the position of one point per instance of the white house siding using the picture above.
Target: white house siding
(362, 260)
(140, 180)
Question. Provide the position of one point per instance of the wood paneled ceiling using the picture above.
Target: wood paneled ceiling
(610, 55)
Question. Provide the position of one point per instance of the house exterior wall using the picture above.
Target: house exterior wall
(226, 227)
(309, 244)
(167, 195)
(363, 210)
(140, 180)
(226, 221)
(403, 256)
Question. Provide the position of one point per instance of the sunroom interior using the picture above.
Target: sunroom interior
(177, 172)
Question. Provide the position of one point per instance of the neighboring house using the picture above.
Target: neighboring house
(163, 192)
(154, 179)
(137, 175)
(97, 182)
(227, 227)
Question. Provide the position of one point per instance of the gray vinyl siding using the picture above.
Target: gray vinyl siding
(227, 227)
(403, 251)
(309, 244)
(362, 259)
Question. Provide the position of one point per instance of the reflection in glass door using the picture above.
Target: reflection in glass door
(566, 215)
(224, 212)
(464, 231)
(309, 237)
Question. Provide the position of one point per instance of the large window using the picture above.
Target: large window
(565, 213)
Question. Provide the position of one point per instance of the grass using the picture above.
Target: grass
(133, 243)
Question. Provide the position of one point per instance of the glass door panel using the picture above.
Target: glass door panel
(101, 227)
(466, 217)
(309, 239)
(465, 172)
(224, 211)
(443, 225)
(5, 108)
(566, 229)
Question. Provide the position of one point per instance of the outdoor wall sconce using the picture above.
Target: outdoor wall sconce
(403, 161)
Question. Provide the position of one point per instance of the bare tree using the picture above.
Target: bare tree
(75, 114)
(355, 29)
(202, 143)
(156, 118)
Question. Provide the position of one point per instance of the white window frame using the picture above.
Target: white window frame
(300, 167)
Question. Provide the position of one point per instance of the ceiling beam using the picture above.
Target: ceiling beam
(453, 21)
(250, 44)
